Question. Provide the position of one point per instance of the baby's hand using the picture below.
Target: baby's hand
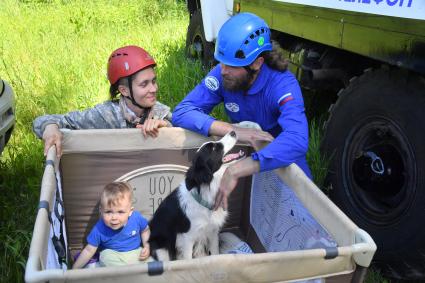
(144, 254)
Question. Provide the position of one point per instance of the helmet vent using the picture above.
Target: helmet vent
(255, 34)
(119, 54)
(239, 54)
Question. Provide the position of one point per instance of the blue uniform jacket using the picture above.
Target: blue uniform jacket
(274, 102)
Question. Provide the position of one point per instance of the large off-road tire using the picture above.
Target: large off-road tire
(196, 45)
(375, 137)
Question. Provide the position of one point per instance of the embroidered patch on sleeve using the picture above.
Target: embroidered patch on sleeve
(285, 98)
(211, 83)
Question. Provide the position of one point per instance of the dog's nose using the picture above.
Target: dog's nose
(233, 134)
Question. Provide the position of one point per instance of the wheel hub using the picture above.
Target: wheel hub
(378, 170)
(196, 49)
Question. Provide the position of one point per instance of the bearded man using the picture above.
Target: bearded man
(254, 84)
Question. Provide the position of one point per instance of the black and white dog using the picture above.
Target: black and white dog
(185, 225)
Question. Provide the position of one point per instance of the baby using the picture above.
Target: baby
(120, 231)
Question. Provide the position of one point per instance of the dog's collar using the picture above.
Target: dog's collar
(199, 199)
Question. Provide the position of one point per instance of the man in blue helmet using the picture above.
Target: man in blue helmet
(253, 83)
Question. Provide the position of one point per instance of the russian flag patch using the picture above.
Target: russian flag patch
(285, 98)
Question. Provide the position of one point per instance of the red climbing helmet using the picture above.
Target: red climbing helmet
(126, 61)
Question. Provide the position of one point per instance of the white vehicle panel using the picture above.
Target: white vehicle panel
(214, 14)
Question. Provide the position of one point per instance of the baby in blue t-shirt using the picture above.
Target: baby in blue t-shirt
(120, 231)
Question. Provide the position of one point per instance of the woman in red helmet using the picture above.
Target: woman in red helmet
(133, 102)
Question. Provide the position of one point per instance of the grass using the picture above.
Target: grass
(53, 53)
(317, 162)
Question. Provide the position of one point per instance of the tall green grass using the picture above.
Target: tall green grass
(317, 162)
(54, 53)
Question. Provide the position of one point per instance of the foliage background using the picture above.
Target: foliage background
(54, 55)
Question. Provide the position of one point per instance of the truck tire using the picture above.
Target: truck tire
(375, 137)
(196, 45)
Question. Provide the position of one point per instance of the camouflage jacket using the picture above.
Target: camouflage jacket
(107, 115)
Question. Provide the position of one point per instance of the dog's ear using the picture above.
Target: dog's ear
(200, 172)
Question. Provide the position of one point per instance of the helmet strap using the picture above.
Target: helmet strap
(250, 71)
(133, 101)
(251, 74)
(130, 86)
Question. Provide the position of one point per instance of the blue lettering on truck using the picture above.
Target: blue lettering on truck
(407, 3)
(409, 9)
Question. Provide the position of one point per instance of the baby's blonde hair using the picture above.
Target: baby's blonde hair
(114, 192)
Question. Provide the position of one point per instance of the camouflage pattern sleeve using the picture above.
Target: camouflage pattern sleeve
(40, 123)
(103, 116)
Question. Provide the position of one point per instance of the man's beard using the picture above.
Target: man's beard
(238, 84)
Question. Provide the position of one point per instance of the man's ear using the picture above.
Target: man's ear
(256, 65)
(124, 90)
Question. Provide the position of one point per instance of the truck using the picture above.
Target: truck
(366, 58)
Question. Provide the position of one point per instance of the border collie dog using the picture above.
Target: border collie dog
(185, 225)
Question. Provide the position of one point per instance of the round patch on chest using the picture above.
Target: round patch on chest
(232, 107)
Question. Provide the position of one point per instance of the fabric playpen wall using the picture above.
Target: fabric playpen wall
(154, 167)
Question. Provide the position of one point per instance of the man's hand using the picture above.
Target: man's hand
(255, 137)
(151, 126)
(144, 254)
(252, 136)
(227, 185)
(243, 168)
(52, 136)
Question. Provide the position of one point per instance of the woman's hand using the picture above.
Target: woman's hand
(52, 136)
(151, 126)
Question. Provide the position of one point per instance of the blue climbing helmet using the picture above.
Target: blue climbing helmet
(241, 39)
